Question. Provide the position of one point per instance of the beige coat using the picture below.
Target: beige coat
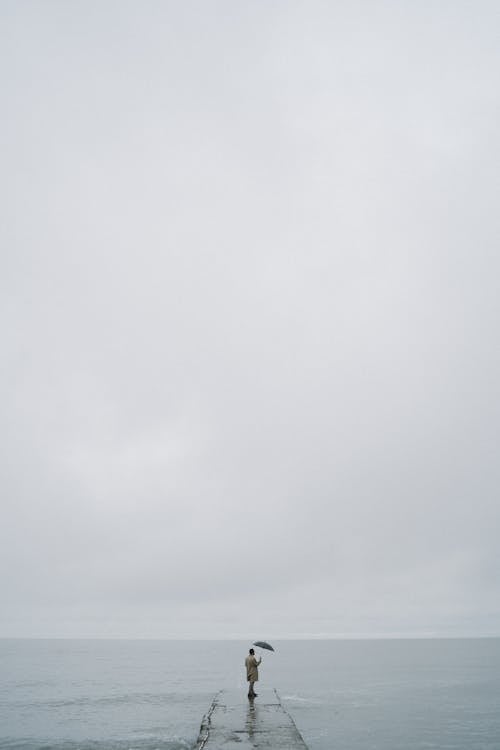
(251, 664)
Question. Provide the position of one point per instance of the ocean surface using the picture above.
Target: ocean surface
(343, 695)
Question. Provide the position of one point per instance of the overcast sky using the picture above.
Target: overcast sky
(250, 361)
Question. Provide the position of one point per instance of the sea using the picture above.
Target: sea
(342, 694)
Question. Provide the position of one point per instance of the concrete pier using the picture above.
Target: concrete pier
(234, 722)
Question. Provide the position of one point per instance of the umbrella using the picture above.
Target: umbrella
(263, 644)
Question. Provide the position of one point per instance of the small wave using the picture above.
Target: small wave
(156, 699)
(300, 699)
(174, 743)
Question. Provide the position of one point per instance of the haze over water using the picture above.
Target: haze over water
(249, 315)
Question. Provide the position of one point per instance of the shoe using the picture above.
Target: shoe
(254, 695)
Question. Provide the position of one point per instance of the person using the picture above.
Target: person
(252, 664)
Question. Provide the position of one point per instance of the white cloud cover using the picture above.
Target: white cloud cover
(250, 363)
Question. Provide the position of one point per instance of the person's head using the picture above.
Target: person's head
(252, 651)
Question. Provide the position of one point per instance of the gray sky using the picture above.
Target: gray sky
(250, 365)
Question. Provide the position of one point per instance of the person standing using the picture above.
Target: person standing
(252, 664)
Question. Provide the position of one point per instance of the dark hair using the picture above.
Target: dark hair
(251, 651)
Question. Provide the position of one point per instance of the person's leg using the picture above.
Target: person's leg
(251, 692)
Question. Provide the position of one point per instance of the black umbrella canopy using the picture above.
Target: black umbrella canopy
(263, 644)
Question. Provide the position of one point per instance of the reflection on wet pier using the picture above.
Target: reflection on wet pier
(233, 721)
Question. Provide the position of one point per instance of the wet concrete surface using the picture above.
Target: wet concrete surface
(234, 722)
